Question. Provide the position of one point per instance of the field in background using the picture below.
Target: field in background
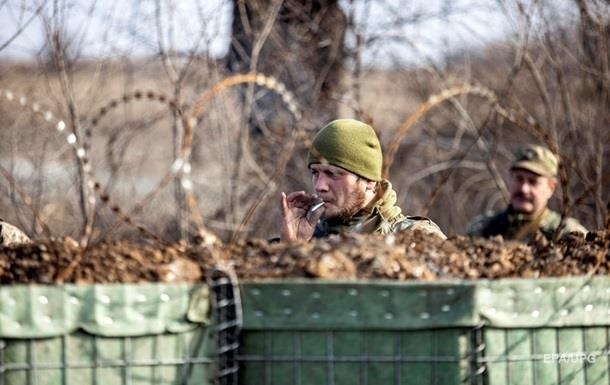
(452, 127)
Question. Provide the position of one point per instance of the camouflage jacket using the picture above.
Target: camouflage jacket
(383, 217)
(11, 235)
(521, 227)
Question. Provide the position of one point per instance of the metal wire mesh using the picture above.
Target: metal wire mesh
(80, 358)
(480, 355)
(484, 333)
(355, 357)
(226, 304)
(298, 333)
(105, 334)
(574, 355)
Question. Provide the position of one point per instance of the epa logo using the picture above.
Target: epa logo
(570, 358)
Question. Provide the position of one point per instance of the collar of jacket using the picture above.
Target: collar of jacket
(515, 217)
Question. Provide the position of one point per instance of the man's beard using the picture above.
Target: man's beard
(355, 202)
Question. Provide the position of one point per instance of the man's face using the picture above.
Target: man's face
(343, 191)
(530, 192)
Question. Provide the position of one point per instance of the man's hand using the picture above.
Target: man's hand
(298, 223)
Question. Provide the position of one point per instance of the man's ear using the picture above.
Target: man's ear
(552, 184)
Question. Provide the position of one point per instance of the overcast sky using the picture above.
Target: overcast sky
(404, 31)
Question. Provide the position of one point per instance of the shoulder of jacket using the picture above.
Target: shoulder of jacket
(413, 222)
(552, 220)
(572, 225)
(12, 235)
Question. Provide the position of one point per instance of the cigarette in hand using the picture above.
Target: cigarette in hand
(313, 208)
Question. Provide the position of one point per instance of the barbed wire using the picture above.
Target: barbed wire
(180, 166)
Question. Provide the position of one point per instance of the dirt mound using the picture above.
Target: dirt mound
(409, 255)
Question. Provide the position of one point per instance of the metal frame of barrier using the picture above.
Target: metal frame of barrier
(504, 332)
(227, 324)
(514, 331)
(105, 334)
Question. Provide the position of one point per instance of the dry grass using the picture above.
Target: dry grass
(172, 156)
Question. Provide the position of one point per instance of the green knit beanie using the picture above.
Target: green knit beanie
(349, 144)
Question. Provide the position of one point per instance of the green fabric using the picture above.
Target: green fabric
(307, 304)
(536, 159)
(383, 217)
(544, 302)
(289, 305)
(349, 144)
(31, 311)
(497, 332)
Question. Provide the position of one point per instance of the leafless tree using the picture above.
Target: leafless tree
(300, 43)
(449, 117)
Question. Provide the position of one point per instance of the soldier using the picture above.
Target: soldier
(533, 179)
(11, 235)
(345, 162)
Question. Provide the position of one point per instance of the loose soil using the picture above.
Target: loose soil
(405, 256)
